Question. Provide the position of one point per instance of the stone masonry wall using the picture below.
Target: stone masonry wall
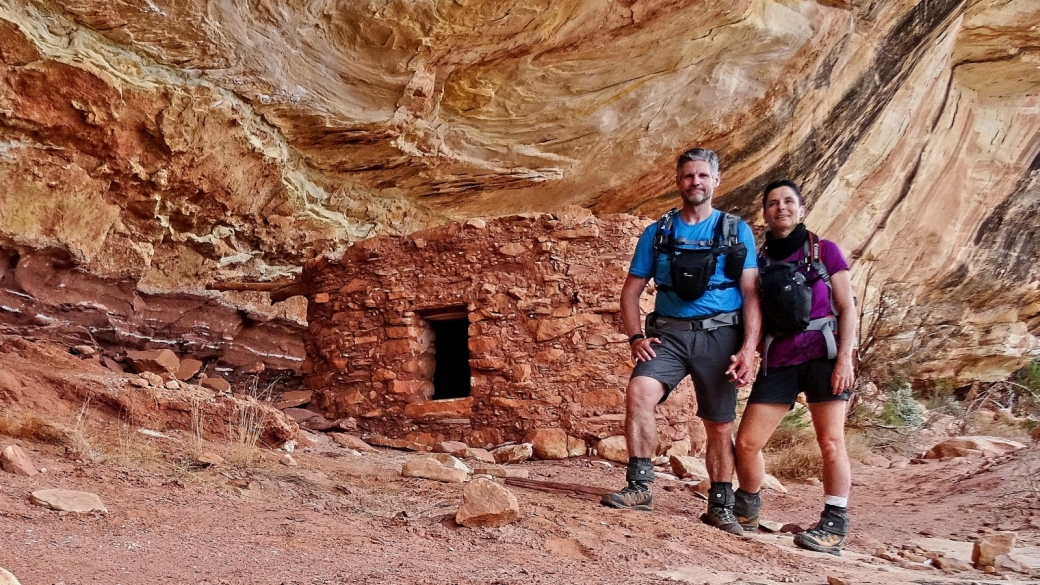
(546, 345)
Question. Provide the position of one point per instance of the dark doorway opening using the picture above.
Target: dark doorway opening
(451, 350)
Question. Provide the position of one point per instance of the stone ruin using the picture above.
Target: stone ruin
(482, 331)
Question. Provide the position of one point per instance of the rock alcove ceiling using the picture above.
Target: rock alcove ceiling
(149, 148)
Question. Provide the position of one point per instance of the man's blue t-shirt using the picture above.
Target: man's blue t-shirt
(697, 236)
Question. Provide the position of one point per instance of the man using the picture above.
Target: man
(705, 324)
(801, 355)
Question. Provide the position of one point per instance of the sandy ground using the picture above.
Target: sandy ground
(344, 517)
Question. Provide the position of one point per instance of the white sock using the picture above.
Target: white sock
(836, 501)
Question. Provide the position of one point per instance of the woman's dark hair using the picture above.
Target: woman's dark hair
(782, 183)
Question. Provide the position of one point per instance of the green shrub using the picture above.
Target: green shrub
(902, 409)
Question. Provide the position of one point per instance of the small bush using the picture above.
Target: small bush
(902, 409)
(32, 428)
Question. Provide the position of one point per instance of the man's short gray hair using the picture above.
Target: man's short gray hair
(703, 154)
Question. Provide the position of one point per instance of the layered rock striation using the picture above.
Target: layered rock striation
(159, 146)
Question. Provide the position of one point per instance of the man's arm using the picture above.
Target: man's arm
(632, 321)
(742, 365)
(844, 375)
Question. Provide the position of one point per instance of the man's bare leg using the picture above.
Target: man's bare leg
(719, 461)
(641, 398)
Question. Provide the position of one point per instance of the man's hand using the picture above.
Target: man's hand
(741, 366)
(642, 350)
(843, 377)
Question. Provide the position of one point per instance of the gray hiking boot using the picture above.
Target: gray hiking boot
(746, 509)
(637, 495)
(829, 534)
(720, 509)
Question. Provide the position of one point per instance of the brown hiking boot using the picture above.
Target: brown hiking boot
(746, 509)
(829, 534)
(637, 495)
(723, 519)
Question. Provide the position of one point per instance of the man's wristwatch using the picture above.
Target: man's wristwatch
(636, 338)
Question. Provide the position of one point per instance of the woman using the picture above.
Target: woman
(809, 360)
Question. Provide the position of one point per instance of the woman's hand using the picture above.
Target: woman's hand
(843, 377)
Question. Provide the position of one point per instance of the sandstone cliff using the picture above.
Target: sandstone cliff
(150, 147)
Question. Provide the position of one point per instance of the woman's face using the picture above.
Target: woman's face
(783, 211)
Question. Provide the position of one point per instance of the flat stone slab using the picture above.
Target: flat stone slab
(68, 501)
(6, 578)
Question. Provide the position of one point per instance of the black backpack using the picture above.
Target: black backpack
(692, 268)
(786, 296)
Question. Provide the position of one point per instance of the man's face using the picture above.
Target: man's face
(696, 183)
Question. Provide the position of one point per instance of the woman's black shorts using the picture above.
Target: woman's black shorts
(782, 385)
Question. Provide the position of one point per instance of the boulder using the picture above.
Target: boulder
(84, 350)
(68, 501)
(347, 424)
(950, 564)
(188, 368)
(548, 443)
(1035, 434)
(6, 578)
(987, 548)
(487, 504)
(876, 461)
(688, 467)
(15, 460)
(451, 461)
(153, 379)
(210, 458)
(513, 453)
(294, 398)
(427, 468)
(112, 364)
(576, 447)
(475, 454)
(965, 446)
(518, 472)
(771, 483)
(300, 415)
(449, 446)
(352, 442)
(161, 361)
(215, 383)
(678, 448)
(613, 449)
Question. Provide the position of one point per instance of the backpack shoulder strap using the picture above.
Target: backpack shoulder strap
(664, 239)
(730, 229)
(813, 261)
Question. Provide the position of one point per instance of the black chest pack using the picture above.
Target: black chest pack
(692, 264)
(786, 296)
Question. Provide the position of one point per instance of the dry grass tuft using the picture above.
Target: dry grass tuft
(792, 452)
(198, 423)
(31, 428)
(252, 420)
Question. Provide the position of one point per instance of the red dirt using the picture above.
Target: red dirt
(345, 518)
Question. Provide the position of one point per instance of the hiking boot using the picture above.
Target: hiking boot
(637, 495)
(723, 519)
(829, 533)
(720, 509)
(746, 509)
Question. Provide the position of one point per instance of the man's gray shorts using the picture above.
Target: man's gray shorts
(705, 357)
